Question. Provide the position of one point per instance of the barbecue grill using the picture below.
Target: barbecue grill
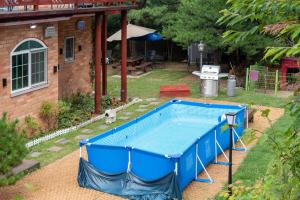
(209, 76)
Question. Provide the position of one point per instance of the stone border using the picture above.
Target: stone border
(76, 127)
(132, 76)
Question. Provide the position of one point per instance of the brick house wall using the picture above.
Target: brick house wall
(75, 75)
(28, 103)
(72, 76)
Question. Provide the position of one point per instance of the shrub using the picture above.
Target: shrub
(49, 114)
(31, 126)
(12, 145)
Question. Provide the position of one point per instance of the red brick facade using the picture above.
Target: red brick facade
(75, 76)
(72, 77)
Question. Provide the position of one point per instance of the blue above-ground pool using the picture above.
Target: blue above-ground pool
(165, 140)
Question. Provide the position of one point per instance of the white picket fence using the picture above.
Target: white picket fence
(73, 128)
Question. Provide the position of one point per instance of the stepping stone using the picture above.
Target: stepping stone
(26, 166)
(123, 118)
(151, 99)
(87, 131)
(54, 149)
(143, 106)
(35, 154)
(103, 126)
(127, 113)
(62, 141)
(141, 110)
(81, 137)
(155, 103)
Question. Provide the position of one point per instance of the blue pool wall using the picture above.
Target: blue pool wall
(150, 166)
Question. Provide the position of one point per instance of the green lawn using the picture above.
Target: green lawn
(148, 86)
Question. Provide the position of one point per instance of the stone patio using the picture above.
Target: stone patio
(54, 149)
(57, 181)
(86, 131)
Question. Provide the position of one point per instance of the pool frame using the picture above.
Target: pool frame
(149, 166)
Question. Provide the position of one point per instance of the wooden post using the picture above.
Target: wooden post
(98, 64)
(276, 82)
(104, 54)
(247, 80)
(124, 56)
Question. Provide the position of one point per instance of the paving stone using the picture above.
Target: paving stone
(81, 137)
(143, 106)
(141, 110)
(62, 141)
(123, 118)
(103, 126)
(127, 113)
(54, 149)
(26, 166)
(155, 103)
(151, 99)
(86, 131)
(35, 154)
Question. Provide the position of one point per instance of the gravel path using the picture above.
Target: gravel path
(57, 181)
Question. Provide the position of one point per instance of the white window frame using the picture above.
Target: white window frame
(30, 87)
(71, 59)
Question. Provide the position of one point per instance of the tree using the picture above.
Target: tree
(12, 145)
(278, 18)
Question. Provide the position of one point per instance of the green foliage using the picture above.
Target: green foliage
(75, 109)
(12, 148)
(49, 114)
(282, 180)
(31, 126)
(195, 20)
(280, 19)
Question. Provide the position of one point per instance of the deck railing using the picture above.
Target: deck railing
(17, 5)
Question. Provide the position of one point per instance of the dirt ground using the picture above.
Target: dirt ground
(57, 181)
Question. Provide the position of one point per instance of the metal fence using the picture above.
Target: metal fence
(261, 78)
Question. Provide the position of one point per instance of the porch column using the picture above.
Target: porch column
(104, 54)
(124, 56)
(98, 64)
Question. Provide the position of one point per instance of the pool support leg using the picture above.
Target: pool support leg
(209, 180)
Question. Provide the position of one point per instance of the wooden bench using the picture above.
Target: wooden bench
(174, 90)
(144, 66)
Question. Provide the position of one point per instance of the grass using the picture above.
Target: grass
(148, 86)
(47, 157)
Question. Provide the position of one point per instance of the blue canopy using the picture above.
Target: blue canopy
(151, 37)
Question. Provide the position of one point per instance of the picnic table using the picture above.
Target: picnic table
(135, 64)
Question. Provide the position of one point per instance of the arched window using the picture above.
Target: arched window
(28, 65)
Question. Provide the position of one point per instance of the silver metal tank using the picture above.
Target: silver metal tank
(209, 88)
(231, 83)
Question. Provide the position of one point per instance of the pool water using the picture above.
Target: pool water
(169, 131)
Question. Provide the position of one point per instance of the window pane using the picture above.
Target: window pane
(14, 84)
(34, 44)
(37, 67)
(14, 61)
(69, 48)
(25, 70)
(25, 81)
(19, 59)
(42, 76)
(28, 45)
(19, 72)
(19, 83)
(14, 73)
